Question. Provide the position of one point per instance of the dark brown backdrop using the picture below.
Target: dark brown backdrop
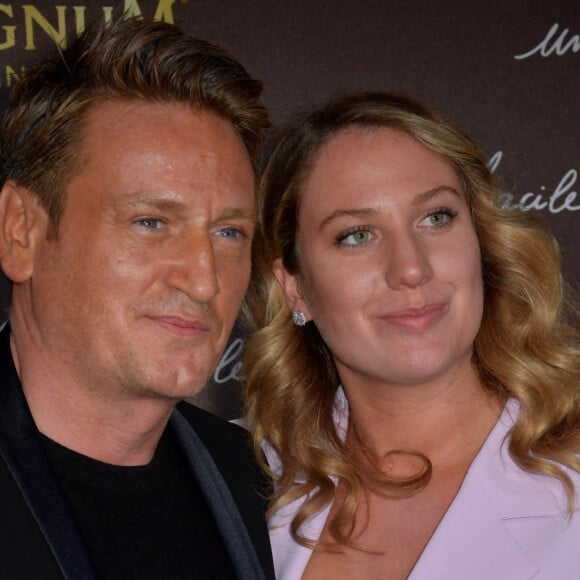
(506, 70)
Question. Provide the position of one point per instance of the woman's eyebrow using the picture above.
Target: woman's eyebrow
(430, 193)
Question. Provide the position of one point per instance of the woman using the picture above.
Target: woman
(415, 381)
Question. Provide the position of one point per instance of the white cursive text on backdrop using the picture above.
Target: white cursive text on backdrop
(562, 198)
(552, 44)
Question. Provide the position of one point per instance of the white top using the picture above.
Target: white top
(504, 523)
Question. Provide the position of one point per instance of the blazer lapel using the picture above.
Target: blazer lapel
(499, 519)
(473, 542)
(219, 498)
(21, 450)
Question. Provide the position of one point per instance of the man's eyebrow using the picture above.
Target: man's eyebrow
(175, 206)
(230, 213)
(370, 211)
(160, 203)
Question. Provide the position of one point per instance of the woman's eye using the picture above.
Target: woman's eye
(355, 238)
(436, 219)
(439, 218)
(150, 223)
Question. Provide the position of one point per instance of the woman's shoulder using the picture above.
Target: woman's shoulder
(504, 475)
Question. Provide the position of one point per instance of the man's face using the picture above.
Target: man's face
(137, 294)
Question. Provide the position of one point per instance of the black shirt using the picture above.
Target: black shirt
(149, 522)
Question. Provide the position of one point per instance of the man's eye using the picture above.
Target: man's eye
(150, 223)
(230, 232)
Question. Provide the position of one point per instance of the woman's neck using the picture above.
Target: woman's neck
(445, 420)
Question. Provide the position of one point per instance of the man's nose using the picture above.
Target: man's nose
(195, 271)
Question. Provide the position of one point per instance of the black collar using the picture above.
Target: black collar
(21, 449)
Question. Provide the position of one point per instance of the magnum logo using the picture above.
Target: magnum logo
(38, 25)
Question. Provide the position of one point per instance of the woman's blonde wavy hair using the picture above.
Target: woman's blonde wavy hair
(526, 348)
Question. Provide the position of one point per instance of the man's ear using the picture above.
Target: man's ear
(291, 285)
(22, 222)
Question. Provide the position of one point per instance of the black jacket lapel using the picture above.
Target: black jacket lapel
(21, 450)
(219, 498)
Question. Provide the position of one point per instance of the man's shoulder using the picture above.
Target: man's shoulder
(208, 425)
(224, 440)
(229, 446)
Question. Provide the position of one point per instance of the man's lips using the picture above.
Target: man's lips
(417, 318)
(182, 326)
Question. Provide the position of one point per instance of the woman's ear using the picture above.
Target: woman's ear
(22, 222)
(291, 285)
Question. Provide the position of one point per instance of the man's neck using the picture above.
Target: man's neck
(115, 431)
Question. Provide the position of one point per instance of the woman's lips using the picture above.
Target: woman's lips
(417, 318)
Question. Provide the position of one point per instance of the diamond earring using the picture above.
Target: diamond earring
(299, 318)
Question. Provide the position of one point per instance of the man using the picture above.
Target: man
(126, 221)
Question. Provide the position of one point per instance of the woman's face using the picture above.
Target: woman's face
(390, 261)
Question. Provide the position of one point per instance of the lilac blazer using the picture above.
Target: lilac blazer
(504, 524)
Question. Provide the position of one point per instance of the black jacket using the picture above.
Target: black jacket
(38, 536)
